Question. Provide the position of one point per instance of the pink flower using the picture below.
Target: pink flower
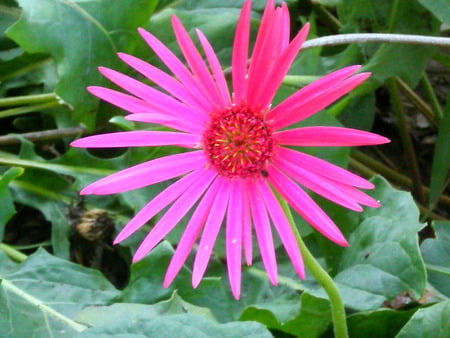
(238, 155)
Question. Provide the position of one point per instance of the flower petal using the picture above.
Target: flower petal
(168, 121)
(305, 206)
(263, 231)
(137, 139)
(176, 67)
(210, 231)
(191, 232)
(233, 236)
(240, 54)
(159, 202)
(216, 68)
(306, 107)
(163, 80)
(196, 63)
(328, 137)
(151, 95)
(268, 87)
(147, 173)
(247, 239)
(316, 184)
(175, 213)
(323, 168)
(283, 228)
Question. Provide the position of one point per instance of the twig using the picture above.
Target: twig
(41, 135)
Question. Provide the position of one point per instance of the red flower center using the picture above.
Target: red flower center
(238, 141)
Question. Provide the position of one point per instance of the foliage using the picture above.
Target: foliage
(395, 276)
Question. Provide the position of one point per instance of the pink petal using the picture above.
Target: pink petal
(196, 62)
(283, 228)
(160, 201)
(328, 137)
(176, 67)
(191, 232)
(286, 26)
(263, 232)
(175, 213)
(305, 206)
(151, 95)
(247, 239)
(257, 61)
(233, 236)
(267, 89)
(306, 107)
(216, 68)
(187, 125)
(317, 184)
(210, 231)
(137, 139)
(323, 168)
(147, 173)
(240, 53)
(163, 80)
(313, 89)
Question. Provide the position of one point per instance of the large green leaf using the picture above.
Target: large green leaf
(7, 209)
(146, 281)
(179, 325)
(436, 253)
(441, 159)
(430, 322)
(305, 316)
(41, 296)
(379, 323)
(80, 35)
(407, 17)
(439, 8)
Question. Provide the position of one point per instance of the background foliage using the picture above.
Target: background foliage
(59, 278)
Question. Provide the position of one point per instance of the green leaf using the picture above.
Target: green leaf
(128, 312)
(441, 158)
(436, 253)
(383, 259)
(407, 17)
(439, 8)
(146, 281)
(308, 318)
(42, 295)
(80, 35)
(379, 323)
(7, 209)
(428, 322)
(181, 325)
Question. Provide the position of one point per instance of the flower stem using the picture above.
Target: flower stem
(27, 99)
(324, 279)
(14, 254)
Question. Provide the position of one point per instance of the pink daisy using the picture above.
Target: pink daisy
(238, 147)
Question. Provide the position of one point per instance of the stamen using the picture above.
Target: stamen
(239, 141)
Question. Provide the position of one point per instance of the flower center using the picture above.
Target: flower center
(238, 142)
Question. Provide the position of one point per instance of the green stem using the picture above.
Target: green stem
(27, 109)
(14, 254)
(402, 124)
(27, 99)
(429, 92)
(324, 279)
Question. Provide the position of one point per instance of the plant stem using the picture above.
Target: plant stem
(429, 91)
(410, 155)
(41, 135)
(359, 157)
(418, 102)
(27, 109)
(27, 99)
(343, 39)
(324, 279)
(14, 254)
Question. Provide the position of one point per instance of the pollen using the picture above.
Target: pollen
(238, 141)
